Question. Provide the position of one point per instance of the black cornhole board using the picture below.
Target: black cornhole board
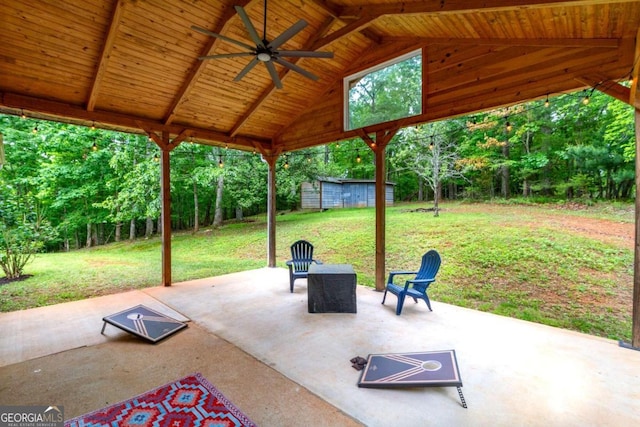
(144, 322)
(422, 369)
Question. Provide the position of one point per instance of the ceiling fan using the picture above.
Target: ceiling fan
(266, 51)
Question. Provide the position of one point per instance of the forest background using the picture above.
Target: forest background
(65, 187)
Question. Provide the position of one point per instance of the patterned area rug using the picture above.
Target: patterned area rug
(189, 402)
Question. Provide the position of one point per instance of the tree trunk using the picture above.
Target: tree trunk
(118, 235)
(196, 210)
(89, 233)
(505, 173)
(132, 229)
(436, 199)
(420, 189)
(148, 232)
(239, 213)
(217, 218)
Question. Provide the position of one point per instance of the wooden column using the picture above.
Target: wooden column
(378, 146)
(166, 145)
(271, 210)
(635, 319)
(381, 225)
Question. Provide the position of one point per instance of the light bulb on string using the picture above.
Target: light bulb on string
(546, 102)
(35, 129)
(286, 163)
(93, 125)
(94, 147)
(431, 143)
(23, 115)
(220, 162)
(508, 126)
(358, 159)
(585, 100)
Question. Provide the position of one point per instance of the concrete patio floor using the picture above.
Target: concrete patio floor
(283, 366)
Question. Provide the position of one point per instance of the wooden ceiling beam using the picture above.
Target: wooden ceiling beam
(198, 66)
(58, 111)
(105, 55)
(604, 43)
(357, 25)
(459, 6)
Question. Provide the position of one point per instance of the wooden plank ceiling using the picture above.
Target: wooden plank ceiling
(133, 65)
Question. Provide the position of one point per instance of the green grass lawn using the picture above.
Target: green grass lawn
(560, 267)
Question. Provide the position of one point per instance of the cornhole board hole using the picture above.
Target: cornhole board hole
(423, 369)
(144, 322)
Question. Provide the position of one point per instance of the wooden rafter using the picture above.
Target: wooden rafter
(105, 55)
(357, 25)
(198, 66)
(438, 6)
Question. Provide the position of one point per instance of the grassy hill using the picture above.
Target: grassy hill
(565, 266)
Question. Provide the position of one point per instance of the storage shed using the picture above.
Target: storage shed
(329, 193)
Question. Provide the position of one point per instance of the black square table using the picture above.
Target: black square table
(144, 322)
(331, 288)
(422, 369)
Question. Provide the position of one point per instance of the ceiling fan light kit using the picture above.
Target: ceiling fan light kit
(265, 51)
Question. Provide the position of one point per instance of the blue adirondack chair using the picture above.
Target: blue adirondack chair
(416, 287)
(301, 259)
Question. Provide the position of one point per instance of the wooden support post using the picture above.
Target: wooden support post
(381, 204)
(635, 319)
(165, 192)
(166, 145)
(271, 210)
(378, 146)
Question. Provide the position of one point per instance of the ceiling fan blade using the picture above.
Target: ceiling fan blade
(305, 54)
(226, 55)
(221, 37)
(250, 28)
(274, 74)
(287, 34)
(295, 68)
(246, 69)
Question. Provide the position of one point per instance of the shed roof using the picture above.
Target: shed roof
(133, 65)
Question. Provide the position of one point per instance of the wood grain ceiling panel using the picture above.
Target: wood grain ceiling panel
(525, 48)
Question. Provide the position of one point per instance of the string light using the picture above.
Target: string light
(585, 100)
(308, 158)
(94, 147)
(220, 162)
(93, 125)
(508, 126)
(358, 159)
(23, 115)
(546, 102)
(286, 162)
(431, 143)
(35, 129)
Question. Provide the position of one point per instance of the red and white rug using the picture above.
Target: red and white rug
(189, 402)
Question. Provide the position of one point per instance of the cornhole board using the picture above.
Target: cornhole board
(423, 369)
(144, 322)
